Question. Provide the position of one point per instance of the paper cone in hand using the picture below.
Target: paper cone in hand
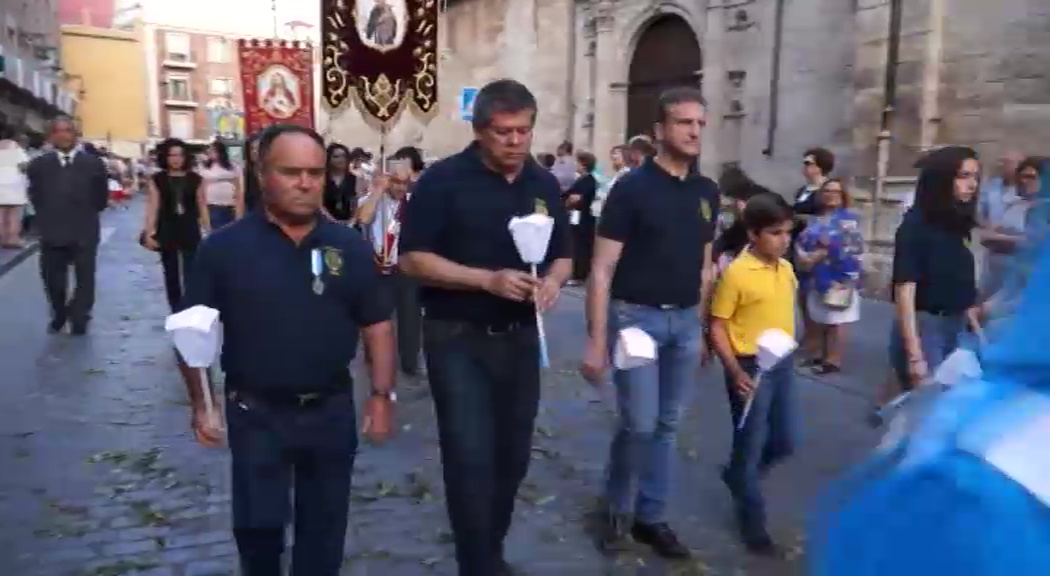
(773, 346)
(531, 235)
(197, 334)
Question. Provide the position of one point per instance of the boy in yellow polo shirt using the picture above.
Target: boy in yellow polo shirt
(755, 293)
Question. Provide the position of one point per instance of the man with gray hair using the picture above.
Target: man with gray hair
(68, 189)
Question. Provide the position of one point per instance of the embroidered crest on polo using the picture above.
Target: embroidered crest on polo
(540, 207)
(705, 210)
(333, 261)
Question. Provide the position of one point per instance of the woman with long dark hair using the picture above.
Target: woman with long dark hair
(176, 215)
(934, 276)
(250, 182)
(222, 186)
(340, 190)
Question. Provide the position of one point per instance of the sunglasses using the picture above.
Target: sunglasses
(808, 163)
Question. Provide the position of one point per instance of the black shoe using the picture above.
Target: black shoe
(505, 569)
(762, 545)
(661, 538)
(614, 533)
(79, 328)
(56, 325)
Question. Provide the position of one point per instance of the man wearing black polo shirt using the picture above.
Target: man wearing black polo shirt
(479, 329)
(293, 290)
(652, 270)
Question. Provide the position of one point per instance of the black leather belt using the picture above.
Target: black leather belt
(494, 329)
(286, 399)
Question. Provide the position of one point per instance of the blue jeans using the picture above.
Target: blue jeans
(650, 400)
(486, 388)
(938, 337)
(769, 435)
(220, 216)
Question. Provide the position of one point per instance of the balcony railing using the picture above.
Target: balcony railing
(180, 98)
(177, 60)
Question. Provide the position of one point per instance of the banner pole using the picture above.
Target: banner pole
(382, 148)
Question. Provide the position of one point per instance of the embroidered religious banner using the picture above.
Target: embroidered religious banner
(381, 56)
(278, 83)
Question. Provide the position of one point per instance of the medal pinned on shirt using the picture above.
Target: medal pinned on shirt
(317, 268)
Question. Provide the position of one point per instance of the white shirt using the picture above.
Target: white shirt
(385, 219)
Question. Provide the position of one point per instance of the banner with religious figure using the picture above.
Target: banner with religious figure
(380, 55)
(278, 83)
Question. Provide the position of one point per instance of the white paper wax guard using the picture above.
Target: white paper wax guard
(960, 365)
(634, 348)
(531, 235)
(773, 346)
(197, 334)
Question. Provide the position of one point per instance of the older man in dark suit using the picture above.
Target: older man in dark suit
(68, 189)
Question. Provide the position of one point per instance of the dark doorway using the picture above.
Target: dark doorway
(667, 55)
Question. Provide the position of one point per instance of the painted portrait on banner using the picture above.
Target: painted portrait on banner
(278, 92)
(381, 24)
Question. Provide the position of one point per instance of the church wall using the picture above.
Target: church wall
(481, 41)
(996, 68)
(815, 103)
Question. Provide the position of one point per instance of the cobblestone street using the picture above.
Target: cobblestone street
(100, 476)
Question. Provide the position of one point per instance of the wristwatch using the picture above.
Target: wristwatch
(389, 394)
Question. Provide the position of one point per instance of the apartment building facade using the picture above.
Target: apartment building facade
(31, 83)
(193, 84)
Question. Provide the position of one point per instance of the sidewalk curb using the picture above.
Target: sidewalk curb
(26, 252)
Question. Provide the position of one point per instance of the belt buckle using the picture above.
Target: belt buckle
(666, 307)
(305, 399)
(492, 330)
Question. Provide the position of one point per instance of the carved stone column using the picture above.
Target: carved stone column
(610, 96)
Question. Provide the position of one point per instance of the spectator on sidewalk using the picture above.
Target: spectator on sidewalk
(564, 168)
(223, 186)
(13, 186)
(69, 189)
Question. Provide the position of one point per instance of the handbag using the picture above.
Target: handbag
(839, 296)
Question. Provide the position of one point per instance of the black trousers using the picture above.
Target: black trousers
(278, 446)
(405, 292)
(486, 389)
(55, 262)
(582, 249)
(176, 262)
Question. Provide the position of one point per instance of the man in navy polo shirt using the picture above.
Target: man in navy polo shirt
(479, 325)
(293, 290)
(652, 270)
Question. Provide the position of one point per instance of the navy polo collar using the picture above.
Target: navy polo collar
(651, 167)
(472, 156)
(261, 219)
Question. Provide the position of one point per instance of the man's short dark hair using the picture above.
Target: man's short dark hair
(270, 135)
(766, 210)
(1033, 163)
(412, 155)
(546, 159)
(501, 97)
(587, 160)
(642, 144)
(824, 159)
(677, 95)
(565, 147)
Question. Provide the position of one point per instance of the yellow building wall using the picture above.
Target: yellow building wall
(106, 69)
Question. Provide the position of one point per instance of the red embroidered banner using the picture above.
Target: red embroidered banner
(278, 83)
(382, 56)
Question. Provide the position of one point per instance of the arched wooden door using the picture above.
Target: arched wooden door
(667, 55)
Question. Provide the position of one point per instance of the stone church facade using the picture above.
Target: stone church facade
(779, 76)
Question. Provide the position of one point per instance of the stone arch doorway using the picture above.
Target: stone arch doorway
(667, 54)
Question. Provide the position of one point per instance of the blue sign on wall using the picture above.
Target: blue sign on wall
(466, 103)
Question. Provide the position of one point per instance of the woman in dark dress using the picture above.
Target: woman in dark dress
(175, 216)
(251, 179)
(340, 190)
(578, 199)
